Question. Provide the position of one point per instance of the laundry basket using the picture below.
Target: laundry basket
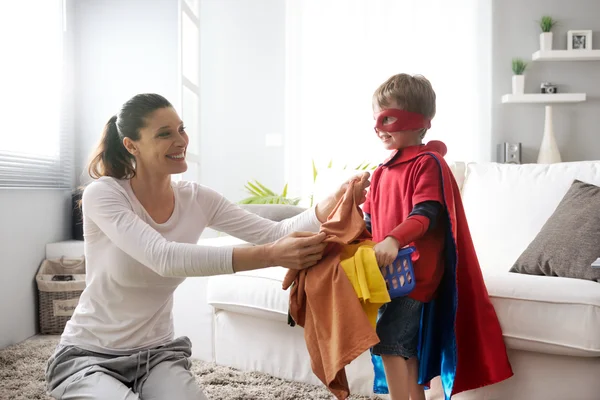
(60, 283)
(399, 275)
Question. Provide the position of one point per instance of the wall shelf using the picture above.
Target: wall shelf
(566, 55)
(541, 98)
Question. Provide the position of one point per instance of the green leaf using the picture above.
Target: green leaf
(330, 164)
(314, 168)
(518, 66)
(285, 189)
(251, 191)
(255, 190)
(249, 200)
(547, 23)
(265, 189)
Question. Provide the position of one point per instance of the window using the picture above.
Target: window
(36, 138)
(190, 83)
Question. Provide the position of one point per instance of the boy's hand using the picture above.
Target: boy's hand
(386, 251)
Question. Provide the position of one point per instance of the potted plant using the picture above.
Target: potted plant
(260, 194)
(518, 79)
(546, 24)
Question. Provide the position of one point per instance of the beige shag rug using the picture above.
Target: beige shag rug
(22, 377)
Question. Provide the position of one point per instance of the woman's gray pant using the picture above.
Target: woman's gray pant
(161, 373)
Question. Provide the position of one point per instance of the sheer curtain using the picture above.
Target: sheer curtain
(36, 142)
(339, 51)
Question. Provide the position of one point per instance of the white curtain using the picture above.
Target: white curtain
(36, 141)
(340, 51)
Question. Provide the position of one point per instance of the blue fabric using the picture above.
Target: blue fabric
(437, 339)
(380, 383)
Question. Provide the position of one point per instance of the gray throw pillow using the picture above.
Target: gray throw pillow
(274, 212)
(569, 241)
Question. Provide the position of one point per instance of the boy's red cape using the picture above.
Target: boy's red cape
(461, 339)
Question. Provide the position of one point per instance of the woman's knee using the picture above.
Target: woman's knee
(97, 386)
(171, 379)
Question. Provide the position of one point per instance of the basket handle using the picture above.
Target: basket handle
(62, 262)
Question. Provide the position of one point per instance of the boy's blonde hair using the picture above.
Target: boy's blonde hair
(412, 93)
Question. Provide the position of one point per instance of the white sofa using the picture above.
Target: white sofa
(551, 325)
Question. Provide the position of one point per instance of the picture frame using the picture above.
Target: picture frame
(578, 40)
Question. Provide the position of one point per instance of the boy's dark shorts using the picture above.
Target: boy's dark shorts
(398, 328)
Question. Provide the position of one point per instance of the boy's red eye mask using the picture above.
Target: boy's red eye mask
(405, 121)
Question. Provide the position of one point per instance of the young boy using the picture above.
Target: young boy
(414, 200)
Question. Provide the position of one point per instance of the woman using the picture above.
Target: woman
(141, 231)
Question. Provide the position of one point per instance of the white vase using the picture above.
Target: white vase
(549, 153)
(518, 84)
(546, 41)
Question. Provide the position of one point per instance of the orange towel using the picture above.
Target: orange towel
(323, 301)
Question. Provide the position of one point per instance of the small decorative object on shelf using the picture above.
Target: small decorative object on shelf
(509, 153)
(549, 152)
(546, 24)
(548, 88)
(518, 79)
(579, 40)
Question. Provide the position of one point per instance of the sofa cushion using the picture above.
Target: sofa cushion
(570, 240)
(537, 313)
(257, 293)
(547, 314)
(507, 205)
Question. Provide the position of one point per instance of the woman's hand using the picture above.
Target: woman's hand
(386, 251)
(362, 182)
(298, 250)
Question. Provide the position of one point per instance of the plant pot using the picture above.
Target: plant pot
(546, 41)
(518, 84)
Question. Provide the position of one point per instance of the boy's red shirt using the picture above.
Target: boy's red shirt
(397, 185)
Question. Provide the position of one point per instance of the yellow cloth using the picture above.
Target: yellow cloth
(360, 265)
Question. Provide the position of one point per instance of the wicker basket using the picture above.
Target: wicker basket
(60, 283)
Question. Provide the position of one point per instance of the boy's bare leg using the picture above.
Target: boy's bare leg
(416, 391)
(396, 372)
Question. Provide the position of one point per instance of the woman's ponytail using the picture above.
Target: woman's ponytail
(111, 158)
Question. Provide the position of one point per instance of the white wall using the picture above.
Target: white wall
(122, 48)
(242, 93)
(30, 219)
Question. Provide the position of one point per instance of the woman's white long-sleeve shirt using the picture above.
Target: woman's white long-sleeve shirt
(133, 264)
